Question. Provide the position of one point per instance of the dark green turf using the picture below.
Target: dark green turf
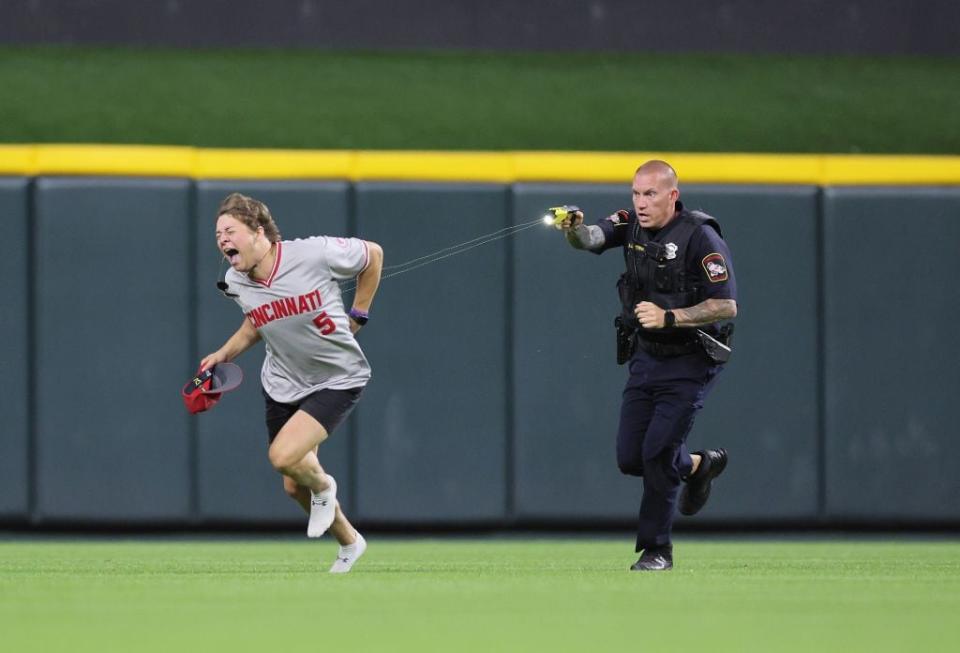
(478, 595)
(624, 102)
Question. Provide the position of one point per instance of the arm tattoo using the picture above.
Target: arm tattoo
(586, 237)
(706, 312)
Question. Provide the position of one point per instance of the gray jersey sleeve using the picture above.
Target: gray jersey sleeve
(346, 257)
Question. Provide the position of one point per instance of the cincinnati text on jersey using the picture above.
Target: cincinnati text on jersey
(285, 307)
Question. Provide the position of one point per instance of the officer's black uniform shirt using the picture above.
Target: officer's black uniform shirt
(707, 259)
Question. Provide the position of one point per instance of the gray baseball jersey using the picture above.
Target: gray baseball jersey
(300, 316)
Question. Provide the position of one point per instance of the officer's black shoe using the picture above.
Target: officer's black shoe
(697, 490)
(659, 559)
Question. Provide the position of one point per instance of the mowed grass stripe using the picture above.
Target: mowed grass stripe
(479, 595)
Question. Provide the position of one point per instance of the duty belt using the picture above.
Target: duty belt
(666, 349)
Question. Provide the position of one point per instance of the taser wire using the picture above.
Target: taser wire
(447, 252)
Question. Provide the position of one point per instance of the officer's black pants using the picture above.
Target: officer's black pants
(660, 401)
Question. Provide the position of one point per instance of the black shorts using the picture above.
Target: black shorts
(329, 407)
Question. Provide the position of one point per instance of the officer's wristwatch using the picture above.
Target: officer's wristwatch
(669, 319)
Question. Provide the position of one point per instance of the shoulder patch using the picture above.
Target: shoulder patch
(715, 267)
(619, 218)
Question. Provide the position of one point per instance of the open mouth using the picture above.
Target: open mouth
(232, 255)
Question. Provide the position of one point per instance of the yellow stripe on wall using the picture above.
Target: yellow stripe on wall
(434, 166)
(618, 167)
(492, 167)
(891, 170)
(273, 164)
(136, 160)
(17, 159)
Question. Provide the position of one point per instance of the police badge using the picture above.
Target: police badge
(671, 250)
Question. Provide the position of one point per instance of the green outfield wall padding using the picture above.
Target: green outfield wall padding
(891, 381)
(567, 382)
(112, 296)
(235, 479)
(494, 389)
(432, 423)
(15, 334)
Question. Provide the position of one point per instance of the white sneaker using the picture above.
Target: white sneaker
(323, 509)
(347, 555)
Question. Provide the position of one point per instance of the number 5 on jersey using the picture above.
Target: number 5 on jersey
(324, 323)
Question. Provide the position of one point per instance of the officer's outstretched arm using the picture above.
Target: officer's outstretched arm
(706, 312)
(582, 236)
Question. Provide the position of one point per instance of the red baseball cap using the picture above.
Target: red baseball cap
(203, 391)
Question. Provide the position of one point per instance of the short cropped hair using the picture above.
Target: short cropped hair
(661, 167)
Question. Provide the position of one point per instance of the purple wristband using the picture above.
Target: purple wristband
(360, 317)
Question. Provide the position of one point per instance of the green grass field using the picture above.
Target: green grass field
(478, 595)
(462, 101)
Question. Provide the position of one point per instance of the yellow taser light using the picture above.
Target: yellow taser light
(557, 214)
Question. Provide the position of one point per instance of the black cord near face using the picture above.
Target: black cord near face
(222, 285)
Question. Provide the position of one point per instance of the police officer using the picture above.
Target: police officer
(677, 288)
